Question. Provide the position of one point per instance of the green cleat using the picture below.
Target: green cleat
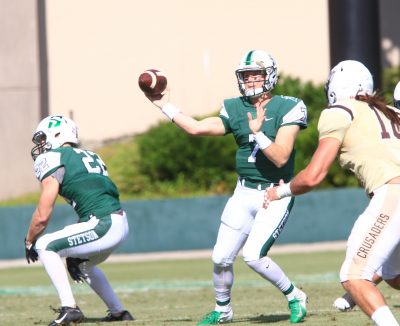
(216, 317)
(297, 308)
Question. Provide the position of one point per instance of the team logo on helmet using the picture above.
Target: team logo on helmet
(53, 132)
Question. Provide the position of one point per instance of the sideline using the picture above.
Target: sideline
(195, 254)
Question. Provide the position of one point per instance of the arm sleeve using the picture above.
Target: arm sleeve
(59, 174)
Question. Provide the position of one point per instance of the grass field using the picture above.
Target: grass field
(179, 292)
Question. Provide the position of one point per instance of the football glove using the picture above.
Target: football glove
(30, 252)
(74, 270)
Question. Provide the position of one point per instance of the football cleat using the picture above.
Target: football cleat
(67, 315)
(297, 307)
(344, 303)
(120, 316)
(216, 317)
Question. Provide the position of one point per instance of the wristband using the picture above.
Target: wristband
(170, 110)
(262, 140)
(283, 191)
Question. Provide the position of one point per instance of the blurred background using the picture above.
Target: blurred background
(82, 58)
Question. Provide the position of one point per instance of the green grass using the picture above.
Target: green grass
(180, 292)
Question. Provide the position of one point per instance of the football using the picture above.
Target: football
(152, 82)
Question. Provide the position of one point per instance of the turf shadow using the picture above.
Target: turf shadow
(262, 319)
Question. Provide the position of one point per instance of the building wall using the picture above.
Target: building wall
(94, 62)
(19, 95)
(390, 32)
(96, 50)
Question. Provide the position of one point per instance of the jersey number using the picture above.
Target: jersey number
(92, 162)
(252, 157)
(384, 133)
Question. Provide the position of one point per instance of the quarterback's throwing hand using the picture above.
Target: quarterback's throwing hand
(159, 100)
(30, 252)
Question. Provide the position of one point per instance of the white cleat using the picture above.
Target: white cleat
(344, 303)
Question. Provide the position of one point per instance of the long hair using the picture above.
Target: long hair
(378, 101)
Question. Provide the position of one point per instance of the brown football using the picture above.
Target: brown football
(152, 82)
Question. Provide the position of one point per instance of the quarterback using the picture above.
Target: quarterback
(364, 131)
(81, 177)
(265, 155)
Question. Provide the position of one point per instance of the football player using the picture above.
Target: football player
(81, 177)
(265, 155)
(345, 302)
(358, 126)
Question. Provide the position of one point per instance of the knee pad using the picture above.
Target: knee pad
(221, 261)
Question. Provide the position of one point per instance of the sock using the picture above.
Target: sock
(223, 306)
(270, 271)
(223, 281)
(102, 287)
(291, 292)
(384, 317)
(58, 274)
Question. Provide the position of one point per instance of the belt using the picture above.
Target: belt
(255, 185)
(118, 212)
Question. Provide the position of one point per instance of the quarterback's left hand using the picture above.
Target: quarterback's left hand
(256, 123)
(30, 252)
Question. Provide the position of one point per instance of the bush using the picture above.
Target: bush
(165, 162)
(170, 155)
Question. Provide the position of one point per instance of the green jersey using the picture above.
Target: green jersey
(83, 179)
(251, 163)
